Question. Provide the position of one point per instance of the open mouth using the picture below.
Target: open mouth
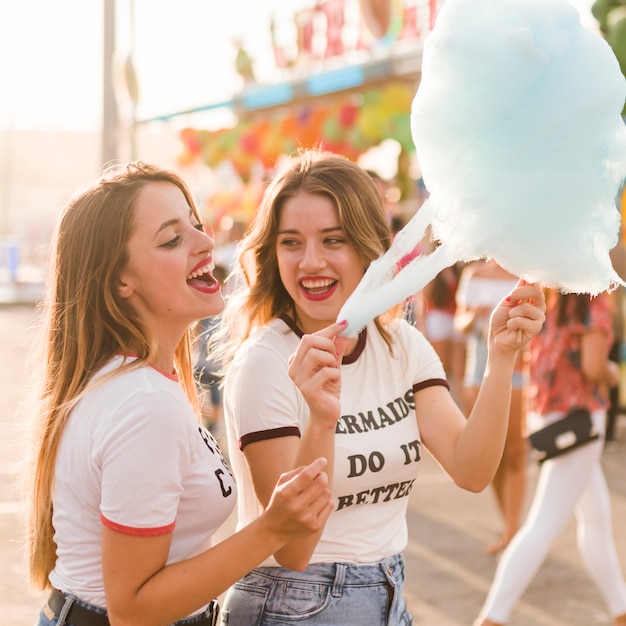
(203, 280)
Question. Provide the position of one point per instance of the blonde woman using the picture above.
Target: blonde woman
(129, 487)
(319, 226)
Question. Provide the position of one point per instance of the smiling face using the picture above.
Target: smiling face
(168, 280)
(317, 265)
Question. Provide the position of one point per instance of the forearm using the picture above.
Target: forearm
(317, 440)
(595, 364)
(178, 589)
(479, 447)
(608, 374)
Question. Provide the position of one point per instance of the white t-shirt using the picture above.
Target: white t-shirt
(377, 437)
(134, 457)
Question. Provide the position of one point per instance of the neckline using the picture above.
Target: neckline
(132, 355)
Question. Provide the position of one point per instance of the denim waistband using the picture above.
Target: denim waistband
(71, 610)
(341, 574)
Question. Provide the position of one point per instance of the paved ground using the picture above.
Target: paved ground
(448, 572)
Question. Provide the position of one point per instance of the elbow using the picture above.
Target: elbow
(594, 374)
(119, 620)
(473, 485)
(292, 562)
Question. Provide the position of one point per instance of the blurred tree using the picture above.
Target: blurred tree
(611, 17)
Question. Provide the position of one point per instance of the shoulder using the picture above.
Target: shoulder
(404, 337)
(135, 394)
(413, 354)
(275, 336)
(401, 330)
(469, 273)
(472, 268)
(134, 410)
(600, 312)
(268, 345)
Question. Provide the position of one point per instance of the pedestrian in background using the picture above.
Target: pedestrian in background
(481, 287)
(569, 368)
(438, 300)
(618, 259)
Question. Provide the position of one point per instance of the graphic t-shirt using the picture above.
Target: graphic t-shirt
(378, 443)
(135, 458)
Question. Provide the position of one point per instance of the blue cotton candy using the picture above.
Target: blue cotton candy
(518, 130)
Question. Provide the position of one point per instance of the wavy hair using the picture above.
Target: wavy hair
(260, 295)
(84, 323)
(572, 307)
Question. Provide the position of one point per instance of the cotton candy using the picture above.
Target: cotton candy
(518, 130)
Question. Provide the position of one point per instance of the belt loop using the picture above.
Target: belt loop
(69, 600)
(340, 577)
(388, 567)
(215, 612)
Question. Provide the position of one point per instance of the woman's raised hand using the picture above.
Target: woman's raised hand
(314, 369)
(518, 317)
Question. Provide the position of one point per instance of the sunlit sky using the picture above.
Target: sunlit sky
(51, 55)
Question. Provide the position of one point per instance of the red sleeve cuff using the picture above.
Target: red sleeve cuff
(137, 532)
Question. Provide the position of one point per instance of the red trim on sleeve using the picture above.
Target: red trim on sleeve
(274, 433)
(432, 382)
(137, 532)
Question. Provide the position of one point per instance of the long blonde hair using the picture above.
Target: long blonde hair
(260, 295)
(84, 324)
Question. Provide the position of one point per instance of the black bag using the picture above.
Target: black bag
(573, 430)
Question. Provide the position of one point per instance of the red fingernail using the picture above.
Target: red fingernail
(508, 298)
(343, 322)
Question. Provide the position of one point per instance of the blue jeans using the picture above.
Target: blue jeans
(43, 619)
(324, 594)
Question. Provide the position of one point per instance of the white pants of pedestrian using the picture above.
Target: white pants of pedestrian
(572, 483)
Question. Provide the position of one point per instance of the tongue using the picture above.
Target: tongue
(196, 283)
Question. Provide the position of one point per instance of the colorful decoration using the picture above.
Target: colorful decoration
(349, 125)
(384, 19)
